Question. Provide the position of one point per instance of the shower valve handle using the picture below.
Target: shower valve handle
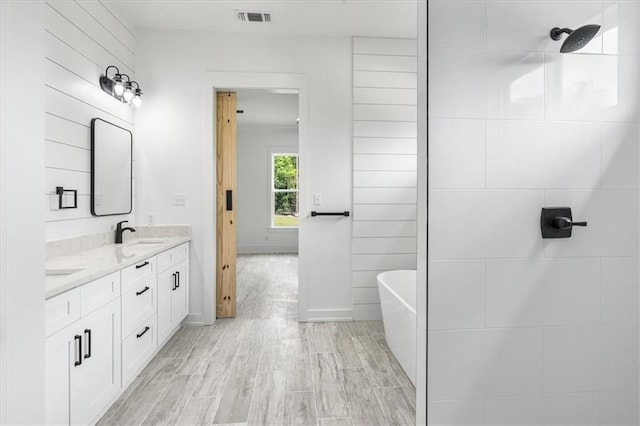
(563, 222)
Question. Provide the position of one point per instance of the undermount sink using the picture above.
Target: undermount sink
(62, 271)
(144, 242)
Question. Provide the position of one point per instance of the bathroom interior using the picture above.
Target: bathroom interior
(455, 243)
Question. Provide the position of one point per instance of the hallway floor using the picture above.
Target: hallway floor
(265, 368)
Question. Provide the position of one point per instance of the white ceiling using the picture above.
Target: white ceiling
(264, 107)
(376, 18)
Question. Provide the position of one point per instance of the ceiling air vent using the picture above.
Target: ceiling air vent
(253, 16)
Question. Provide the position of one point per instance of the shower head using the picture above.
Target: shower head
(577, 38)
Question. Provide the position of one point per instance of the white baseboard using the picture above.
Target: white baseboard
(193, 319)
(326, 315)
(265, 249)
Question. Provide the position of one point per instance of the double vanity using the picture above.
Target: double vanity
(110, 308)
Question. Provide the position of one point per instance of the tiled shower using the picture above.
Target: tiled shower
(524, 330)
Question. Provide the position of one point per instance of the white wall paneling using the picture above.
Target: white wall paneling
(384, 129)
(397, 113)
(99, 31)
(386, 228)
(391, 79)
(377, 62)
(384, 96)
(384, 146)
(524, 330)
(81, 40)
(66, 107)
(384, 164)
(384, 179)
(384, 47)
(385, 211)
(118, 27)
(22, 152)
(373, 245)
(366, 295)
(384, 195)
(67, 132)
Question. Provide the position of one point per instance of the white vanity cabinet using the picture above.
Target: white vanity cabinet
(83, 358)
(100, 335)
(173, 290)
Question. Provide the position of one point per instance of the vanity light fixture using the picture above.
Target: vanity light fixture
(128, 92)
(120, 86)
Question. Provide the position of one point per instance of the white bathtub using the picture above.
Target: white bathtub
(397, 291)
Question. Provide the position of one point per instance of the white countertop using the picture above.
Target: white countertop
(102, 261)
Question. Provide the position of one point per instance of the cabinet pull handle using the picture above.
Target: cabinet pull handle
(175, 282)
(229, 200)
(87, 333)
(178, 275)
(78, 340)
(138, 293)
(142, 265)
(142, 334)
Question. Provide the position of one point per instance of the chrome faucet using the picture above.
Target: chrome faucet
(120, 230)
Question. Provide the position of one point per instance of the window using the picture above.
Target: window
(284, 190)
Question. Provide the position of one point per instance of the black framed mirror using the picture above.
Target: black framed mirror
(111, 169)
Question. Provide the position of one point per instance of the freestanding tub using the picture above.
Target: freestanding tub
(397, 291)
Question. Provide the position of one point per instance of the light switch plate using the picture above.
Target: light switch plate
(317, 199)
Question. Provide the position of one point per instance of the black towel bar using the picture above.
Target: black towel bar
(314, 214)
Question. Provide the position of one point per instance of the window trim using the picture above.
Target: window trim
(273, 191)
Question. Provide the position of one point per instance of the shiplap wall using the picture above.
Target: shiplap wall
(384, 165)
(82, 39)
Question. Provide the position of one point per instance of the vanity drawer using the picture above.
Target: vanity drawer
(139, 283)
(138, 348)
(99, 292)
(173, 256)
(139, 301)
(62, 310)
(135, 272)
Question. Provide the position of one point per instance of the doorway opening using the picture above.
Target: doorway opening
(215, 82)
(268, 203)
(260, 255)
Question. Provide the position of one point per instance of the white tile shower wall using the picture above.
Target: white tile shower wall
(82, 40)
(524, 330)
(384, 165)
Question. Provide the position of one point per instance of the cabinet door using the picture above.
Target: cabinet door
(61, 354)
(97, 381)
(180, 296)
(166, 283)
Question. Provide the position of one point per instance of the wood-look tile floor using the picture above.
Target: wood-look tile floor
(265, 368)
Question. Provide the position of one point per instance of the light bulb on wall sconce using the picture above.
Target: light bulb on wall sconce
(137, 99)
(128, 92)
(118, 85)
(120, 88)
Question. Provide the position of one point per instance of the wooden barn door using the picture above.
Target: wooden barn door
(226, 142)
